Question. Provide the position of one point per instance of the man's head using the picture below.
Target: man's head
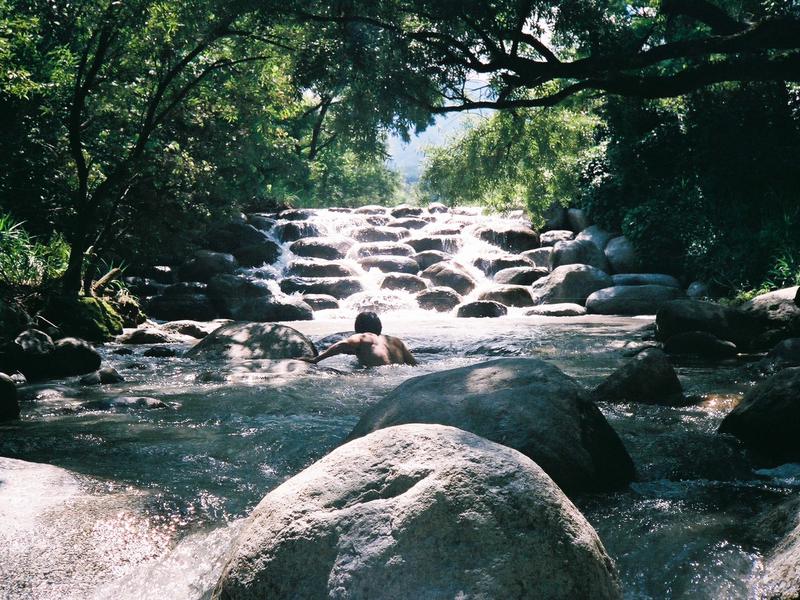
(368, 322)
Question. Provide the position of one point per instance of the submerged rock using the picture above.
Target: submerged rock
(700, 343)
(195, 329)
(106, 375)
(766, 420)
(160, 352)
(250, 341)
(418, 511)
(524, 403)
(149, 335)
(564, 309)
(124, 403)
(648, 378)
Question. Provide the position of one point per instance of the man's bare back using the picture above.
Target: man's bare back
(370, 347)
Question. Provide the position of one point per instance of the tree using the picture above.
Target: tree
(641, 48)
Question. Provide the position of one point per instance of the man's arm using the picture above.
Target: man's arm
(348, 346)
(408, 358)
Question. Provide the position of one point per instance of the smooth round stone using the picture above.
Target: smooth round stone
(320, 301)
(390, 264)
(440, 299)
(383, 249)
(403, 281)
(562, 309)
(481, 309)
(508, 295)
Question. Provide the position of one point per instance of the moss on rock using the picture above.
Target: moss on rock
(92, 319)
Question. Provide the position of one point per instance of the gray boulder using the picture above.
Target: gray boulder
(408, 223)
(9, 405)
(256, 255)
(404, 210)
(195, 329)
(319, 268)
(244, 299)
(296, 214)
(450, 274)
(338, 287)
(549, 238)
(766, 419)
(205, 265)
(569, 283)
(73, 356)
(578, 252)
(645, 279)
(261, 221)
(631, 299)
(233, 236)
(509, 295)
(524, 403)
(184, 306)
(325, 248)
(564, 309)
(320, 301)
(437, 208)
(106, 375)
(781, 576)
(390, 264)
(648, 378)
(377, 234)
(494, 264)
(124, 403)
(776, 315)
(440, 299)
(595, 234)
(680, 316)
(513, 239)
(481, 309)
(149, 335)
(253, 341)
(443, 243)
(403, 281)
(296, 230)
(700, 343)
(785, 354)
(577, 220)
(519, 275)
(371, 209)
(540, 257)
(383, 249)
(622, 256)
(418, 511)
(429, 257)
(698, 290)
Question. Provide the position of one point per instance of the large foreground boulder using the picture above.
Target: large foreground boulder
(631, 299)
(418, 511)
(647, 379)
(524, 403)
(781, 572)
(570, 283)
(250, 341)
(767, 418)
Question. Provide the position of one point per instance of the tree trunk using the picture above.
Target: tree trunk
(72, 280)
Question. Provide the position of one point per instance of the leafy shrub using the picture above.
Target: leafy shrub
(25, 261)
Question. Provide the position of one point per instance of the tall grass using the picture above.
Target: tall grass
(26, 263)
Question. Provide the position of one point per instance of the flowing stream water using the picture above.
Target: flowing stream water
(152, 498)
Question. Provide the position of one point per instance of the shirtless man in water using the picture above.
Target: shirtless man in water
(371, 348)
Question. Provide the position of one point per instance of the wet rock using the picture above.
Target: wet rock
(631, 299)
(622, 255)
(595, 234)
(406, 224)
(124, 403)
(766, 419)
(513, 239)
(326, 248)
(549, 238)
(577, 220)
(252, 341)
(30, 353)
(142, 286)
(569, 283)
(452, 275)
(648, 378)
(380, 516)
(402, 211)
(338, 287)
(437, 208)
(645, 279)
(295, 230)
(261, 221)
(429, 257)
(381, 221)
(206, 265)
(106, 375)
(378, 234)
(185, 287)
(371, 209)
(319, 268)
(776, 315)
(555, 217)
(256, 255)
(785, 354)
(72, 356)
(540, 257)
(578, 252)
(296, 214)
(492, 265)
(698, 290)
(527, 404)
(781, 576)
(383, 249)
(9, 405)
(233, 236)
(245, 299)
(186, 306)
(390, 264)
(195, 329)
(403, 281)
(149, 335)
(440, 299)
(700, 343)
(163, 274)
(519, 275)
(564, 309)
(681, 316)
(160, 352)
(122, 351)
(320, 301)
(442, 243)
(509, 295)
(481, 309)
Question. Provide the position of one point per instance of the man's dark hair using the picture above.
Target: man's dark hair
(368, 322)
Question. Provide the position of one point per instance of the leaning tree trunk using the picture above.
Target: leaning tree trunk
(72, 279)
